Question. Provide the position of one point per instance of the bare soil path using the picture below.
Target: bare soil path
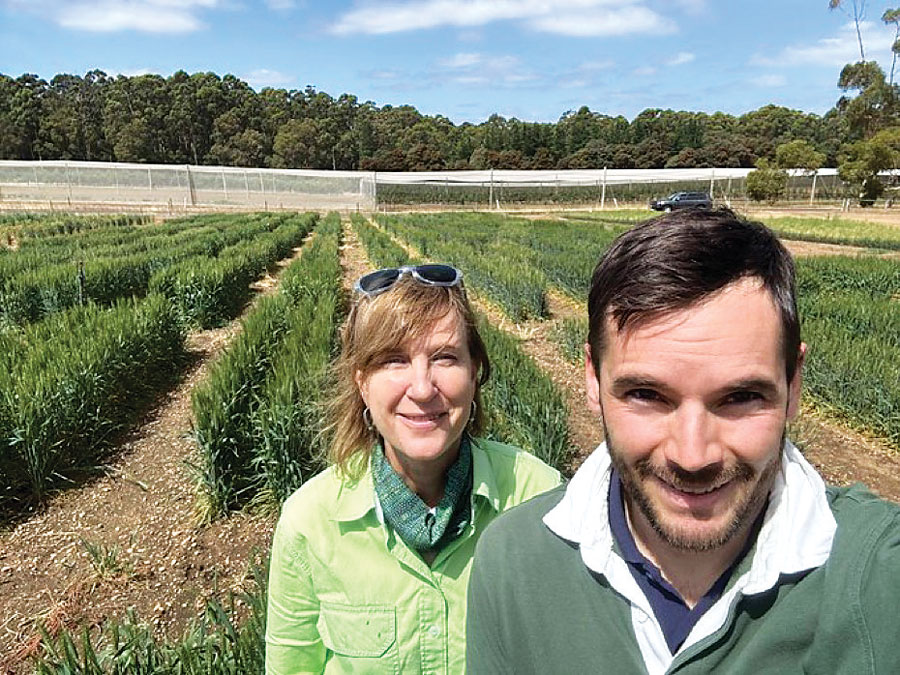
(153, 558)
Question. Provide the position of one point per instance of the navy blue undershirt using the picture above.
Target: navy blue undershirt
(675, 618)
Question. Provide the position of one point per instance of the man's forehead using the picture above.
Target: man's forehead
(738, 293)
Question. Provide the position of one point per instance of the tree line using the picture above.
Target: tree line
(202, 118)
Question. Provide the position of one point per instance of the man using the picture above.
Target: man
(696, 538)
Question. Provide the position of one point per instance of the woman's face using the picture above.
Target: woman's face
(420, 397)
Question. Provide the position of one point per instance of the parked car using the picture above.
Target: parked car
(682, 200)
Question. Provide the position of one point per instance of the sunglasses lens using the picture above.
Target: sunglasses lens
(437, 274)
(378, 281)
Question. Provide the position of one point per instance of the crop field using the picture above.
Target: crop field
(97, 319)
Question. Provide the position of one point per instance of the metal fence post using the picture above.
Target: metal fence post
(603, 192)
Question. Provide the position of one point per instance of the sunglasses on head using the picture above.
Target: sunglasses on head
(431, 275)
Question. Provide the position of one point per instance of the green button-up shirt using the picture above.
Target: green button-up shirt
(348, 595)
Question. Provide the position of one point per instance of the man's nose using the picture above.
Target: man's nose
(693, 443)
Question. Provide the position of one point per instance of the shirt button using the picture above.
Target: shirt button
(433, 631)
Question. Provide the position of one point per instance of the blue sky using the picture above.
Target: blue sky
(467, 59)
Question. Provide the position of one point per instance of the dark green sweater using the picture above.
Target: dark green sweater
(534, 607)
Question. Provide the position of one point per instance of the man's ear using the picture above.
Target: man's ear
(591, 383)
(795, 386)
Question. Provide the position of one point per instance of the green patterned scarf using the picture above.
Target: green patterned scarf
(410, 516)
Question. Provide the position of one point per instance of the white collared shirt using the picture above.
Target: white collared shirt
(796, 535)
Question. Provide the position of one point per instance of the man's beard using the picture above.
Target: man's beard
(749, 500)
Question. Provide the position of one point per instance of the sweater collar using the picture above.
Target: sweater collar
(796, 535)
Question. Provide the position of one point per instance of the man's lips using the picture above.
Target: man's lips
(694, 495)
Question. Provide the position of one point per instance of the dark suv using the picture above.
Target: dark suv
(682, 200)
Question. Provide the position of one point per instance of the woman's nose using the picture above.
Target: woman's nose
(421, 385)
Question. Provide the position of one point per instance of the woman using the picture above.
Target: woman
(371, 558)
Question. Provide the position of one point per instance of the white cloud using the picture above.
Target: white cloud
(833, 51)
(568, 17)
(462, 60)
(604, 22)
(475, 68)
(263, 77)
(281, 5)
(644, 71)
(770, 81)
(105, 16)
(680, 59)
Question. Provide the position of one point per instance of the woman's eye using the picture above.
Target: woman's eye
(446, 357)
(392, 360)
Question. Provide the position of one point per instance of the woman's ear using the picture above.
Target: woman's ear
(362, 383)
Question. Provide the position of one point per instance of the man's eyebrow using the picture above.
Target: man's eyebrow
(636, 382)
(760, 384)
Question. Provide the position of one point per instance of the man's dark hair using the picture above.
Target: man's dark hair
(671, 262)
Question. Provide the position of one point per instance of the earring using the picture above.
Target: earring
(367, 418)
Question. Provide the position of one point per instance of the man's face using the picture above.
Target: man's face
(694, 406)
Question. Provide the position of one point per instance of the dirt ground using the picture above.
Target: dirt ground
(152, 556)
(162, 565)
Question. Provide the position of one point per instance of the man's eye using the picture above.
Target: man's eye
(739, 397)
(643, 395)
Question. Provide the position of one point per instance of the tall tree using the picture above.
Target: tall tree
(858, 14)
(892, 16)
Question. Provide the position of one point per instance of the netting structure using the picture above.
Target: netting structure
(183, 187)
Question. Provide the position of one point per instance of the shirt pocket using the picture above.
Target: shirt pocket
(360, 632)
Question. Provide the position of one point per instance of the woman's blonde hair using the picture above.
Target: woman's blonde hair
(379, 325)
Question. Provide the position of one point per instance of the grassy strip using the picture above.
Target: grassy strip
(254, 416)
(570, 335)
(78, 378)
(498, 266)
(382, 251)
(851, 321)
(524, 408)
(837, 231)
(217, 644)
(209, 292)
(39, 290)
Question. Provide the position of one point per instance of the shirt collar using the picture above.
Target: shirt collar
(357, 497)
(796, 535)
(484, 482)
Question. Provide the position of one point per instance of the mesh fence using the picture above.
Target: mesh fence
(180, 187)
(183, 187)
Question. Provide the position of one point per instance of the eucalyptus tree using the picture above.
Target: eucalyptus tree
(858, 13)
(892, 16)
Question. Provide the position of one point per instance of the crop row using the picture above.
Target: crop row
(851, 320)
(206, 272)
(30, 225)
(522, 405)
(256, 417)
(382, 250)
(71, 381)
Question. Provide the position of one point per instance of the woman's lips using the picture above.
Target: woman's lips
(421, 420)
